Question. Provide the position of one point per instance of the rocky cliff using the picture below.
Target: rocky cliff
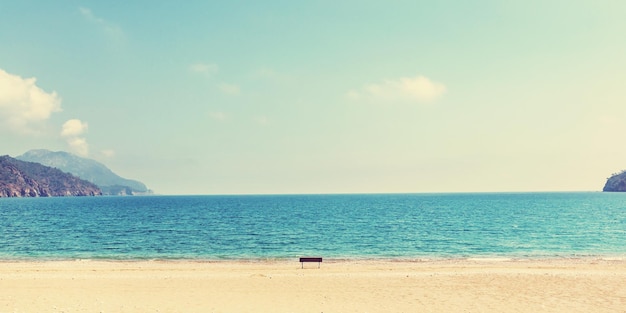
(616, 183)
(27, 179)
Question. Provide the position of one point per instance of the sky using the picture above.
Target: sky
(282, 97)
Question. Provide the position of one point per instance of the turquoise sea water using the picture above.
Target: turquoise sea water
(516, 225)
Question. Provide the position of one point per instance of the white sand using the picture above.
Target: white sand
(338, 286)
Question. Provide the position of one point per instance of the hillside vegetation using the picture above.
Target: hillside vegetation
(27, 179)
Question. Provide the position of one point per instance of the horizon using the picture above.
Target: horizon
(238, 98)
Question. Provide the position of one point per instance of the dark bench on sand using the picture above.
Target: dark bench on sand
(318, 260)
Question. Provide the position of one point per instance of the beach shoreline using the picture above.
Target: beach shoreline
(353, 285)
(333, 259)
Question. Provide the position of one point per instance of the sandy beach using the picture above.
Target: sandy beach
(578, 285)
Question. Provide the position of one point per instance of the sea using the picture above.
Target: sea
(347, 226)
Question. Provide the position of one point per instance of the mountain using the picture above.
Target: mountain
(617, 182)
(27, 179)
(87, 169)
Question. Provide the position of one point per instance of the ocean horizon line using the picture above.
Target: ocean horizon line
(373, 193)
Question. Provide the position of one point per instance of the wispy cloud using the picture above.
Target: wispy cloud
(207, 69)
(108, 153)
(229, 89)
(261, 120)
(218, 116)
(408, 89)
(110, 29)
(78, 145)
(24, 105)
(72, 130)
(266, 73)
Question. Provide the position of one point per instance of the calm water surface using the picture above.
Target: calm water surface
(517, 225)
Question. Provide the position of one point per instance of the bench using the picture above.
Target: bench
(318, 260)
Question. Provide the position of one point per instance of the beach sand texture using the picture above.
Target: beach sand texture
(582, 285)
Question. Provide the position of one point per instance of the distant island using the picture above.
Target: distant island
(87, 169)
(616, 183)
(28, 179)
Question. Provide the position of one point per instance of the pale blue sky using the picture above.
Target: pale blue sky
(208, 97)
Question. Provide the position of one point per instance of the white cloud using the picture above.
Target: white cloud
(23, 103)
(229, 89)
(204, 68)
(410, 89)
(72, 131)
(73, 127)
(110, 29)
